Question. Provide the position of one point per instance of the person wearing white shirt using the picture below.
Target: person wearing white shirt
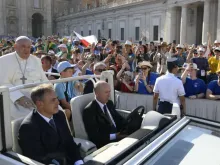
(169, 89)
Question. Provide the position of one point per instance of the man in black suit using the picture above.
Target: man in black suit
(97, 70)
(101, 120)
(44, 135)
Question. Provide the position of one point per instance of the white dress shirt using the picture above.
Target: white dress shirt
(112, 136)
(169, 88)
(78, 162)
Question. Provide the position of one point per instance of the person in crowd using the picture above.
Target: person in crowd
(129, 55)
(141, 54)
(217, 43)
(97, 70)
(69, 46)
(126, 80)
(76, 55)
(169, 89)
(101, 120)
(195, 88)
(152, 56)
(50, 45)
(115, 80)
(55, 63)
(213, 89)
(66, 91)
(23, 69)
(213, 65)
(44, 134)
(192, 53)
(63, 53)
(76, 45)
(162, 56)
(39, 53)
(202, 64)
(47, 67)
(39, 45)
(180, 55)
(145, 80)
(84, 67)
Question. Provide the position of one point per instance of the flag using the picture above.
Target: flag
(88, 40)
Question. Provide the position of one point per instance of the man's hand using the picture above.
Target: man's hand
(120, 136)
(25, 102)
(192, 97)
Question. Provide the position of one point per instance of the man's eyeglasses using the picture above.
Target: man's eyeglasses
(100, 70)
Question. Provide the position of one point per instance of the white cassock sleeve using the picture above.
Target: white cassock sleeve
(7, 67)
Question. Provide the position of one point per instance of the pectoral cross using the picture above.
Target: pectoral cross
(23, 79)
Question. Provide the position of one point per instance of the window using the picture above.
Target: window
(90, 32)
(109, 33)
(99, 34)
(36, 3)
(122, 34)
(137, 33)
(81, 33)
(155, 32)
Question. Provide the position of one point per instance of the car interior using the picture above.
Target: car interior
(152, 125)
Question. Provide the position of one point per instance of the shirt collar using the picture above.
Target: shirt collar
(45, 118)
(50, 70)
(170, 74)
(100, 104)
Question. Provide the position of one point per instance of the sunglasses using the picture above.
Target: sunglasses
(145, 68)
(100, 70)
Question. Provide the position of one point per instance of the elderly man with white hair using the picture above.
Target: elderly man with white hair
(97, 70)
(19, 68)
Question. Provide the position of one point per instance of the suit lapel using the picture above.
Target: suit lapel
(100, 112)
(44, 125)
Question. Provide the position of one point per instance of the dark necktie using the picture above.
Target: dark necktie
(109, 118)
(52, 124)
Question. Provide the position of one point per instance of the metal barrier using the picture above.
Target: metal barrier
(202, 108)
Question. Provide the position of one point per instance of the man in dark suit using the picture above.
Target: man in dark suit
(97, 70)
(44, 135)
(101, 120)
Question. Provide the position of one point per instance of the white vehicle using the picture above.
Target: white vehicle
(162, 139)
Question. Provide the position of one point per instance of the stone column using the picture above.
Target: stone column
(206, 18)
(218, 22)
(170, 25)
(2, 22)
(183, 25)
(49, 18)
(23, 19)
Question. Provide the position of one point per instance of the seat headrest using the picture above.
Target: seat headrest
(152, 120)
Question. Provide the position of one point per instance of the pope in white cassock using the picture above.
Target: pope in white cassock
(19, 68)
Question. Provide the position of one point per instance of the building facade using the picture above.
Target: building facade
(186, 21)
(28, 17)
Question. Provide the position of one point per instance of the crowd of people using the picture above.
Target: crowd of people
(169, 71)
(134, 65)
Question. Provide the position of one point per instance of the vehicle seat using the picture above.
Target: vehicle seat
(153, 120)
(77, 106)
(15, 124)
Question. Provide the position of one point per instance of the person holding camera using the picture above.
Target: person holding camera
(126, 80)
(145, 80)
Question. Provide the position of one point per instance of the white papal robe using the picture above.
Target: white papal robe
(11, 74)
